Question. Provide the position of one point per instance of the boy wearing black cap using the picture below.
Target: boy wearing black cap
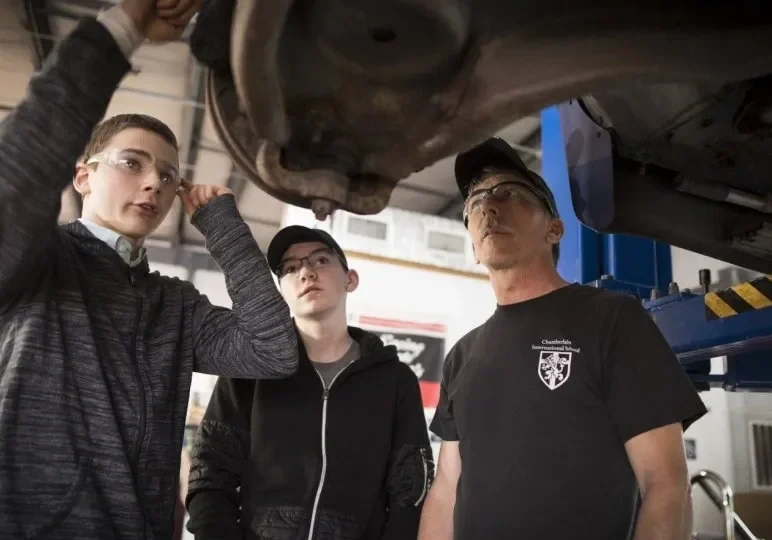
(562, 415)
(340, 449)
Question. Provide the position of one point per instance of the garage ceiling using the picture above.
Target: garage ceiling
(167, 83)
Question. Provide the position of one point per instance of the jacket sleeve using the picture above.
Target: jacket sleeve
(220, 451)
(256, 338)
(411, 465)
(41, 141)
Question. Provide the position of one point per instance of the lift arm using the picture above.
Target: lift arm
(735, 323)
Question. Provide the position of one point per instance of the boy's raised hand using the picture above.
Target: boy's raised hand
(195, 196)
(161, 20)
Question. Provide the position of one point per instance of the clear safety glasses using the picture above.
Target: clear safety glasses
(139, 163)
(509, 190)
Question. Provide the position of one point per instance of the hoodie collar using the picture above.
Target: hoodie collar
(372, 350)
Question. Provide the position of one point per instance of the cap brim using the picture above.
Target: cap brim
(298, 234)
(288, 236)
(492, 153)
(497, 154)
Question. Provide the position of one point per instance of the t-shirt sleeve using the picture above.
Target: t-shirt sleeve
(443, 425)
(647, 387)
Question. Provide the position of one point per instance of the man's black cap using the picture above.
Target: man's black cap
(497, 154)
(297, 234)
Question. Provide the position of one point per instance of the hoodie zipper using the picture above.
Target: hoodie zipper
(325, 400)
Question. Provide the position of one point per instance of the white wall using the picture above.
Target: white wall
(712, 435)
(744, 408)
(393, 291)
(712, 432)
(722, 435)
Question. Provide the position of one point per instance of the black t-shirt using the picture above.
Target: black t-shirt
(542, 398)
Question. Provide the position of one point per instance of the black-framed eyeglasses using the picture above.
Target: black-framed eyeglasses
(314, 260)
(508, 190)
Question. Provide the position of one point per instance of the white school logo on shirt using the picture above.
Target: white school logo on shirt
(555, 355)
(554, 368)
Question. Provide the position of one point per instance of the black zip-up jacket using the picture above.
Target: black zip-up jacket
(272, 448)
(96, 357)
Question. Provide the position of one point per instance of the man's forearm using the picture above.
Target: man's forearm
(437, 518)
(664, 515)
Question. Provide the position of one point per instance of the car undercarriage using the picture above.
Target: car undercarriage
(330, 104)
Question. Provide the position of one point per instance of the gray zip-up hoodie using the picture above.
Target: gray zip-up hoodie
(96, 357)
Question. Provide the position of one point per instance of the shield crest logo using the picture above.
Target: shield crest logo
(554, 368)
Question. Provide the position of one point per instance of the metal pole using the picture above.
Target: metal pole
(727, 498)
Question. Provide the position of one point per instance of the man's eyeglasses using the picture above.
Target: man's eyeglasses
(508, 190)
(139, 163)
(317, 259)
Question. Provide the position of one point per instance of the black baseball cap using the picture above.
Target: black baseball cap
(495, 153)
(297, 234)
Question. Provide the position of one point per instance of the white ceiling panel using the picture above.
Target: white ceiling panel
(15, 71)
(168, 59)
(437, 177)
(127, 102)
(257, 205)
(263, 234)
(518, 131)
(12, 31)
(212, 167)
(154, 93)
(208, 133)
(416, 201)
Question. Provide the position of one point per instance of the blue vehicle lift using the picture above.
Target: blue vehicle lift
(735, 322)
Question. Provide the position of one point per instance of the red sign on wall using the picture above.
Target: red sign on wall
(419, 345)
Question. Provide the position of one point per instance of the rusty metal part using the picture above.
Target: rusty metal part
(255, 33)
(331, 103)
(492, 99)
(310, 185)
(322, 190)
(429, 36)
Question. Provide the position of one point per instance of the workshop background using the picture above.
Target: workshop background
(420, 287)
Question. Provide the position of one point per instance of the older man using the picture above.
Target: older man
(562, 415)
